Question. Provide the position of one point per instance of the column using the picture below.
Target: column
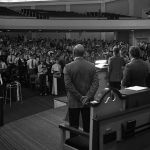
(103, 7)
(67, 7)
(131, 7)
(103, 36)
(132, 37)
(68, 35)
(115, 35)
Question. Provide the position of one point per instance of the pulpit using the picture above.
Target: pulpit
(115, 123)
(135, 96)
(102, 73)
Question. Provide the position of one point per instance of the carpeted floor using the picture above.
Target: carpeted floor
(32, 104)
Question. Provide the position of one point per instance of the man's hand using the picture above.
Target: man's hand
(84, 100)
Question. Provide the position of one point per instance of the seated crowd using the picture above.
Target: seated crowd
(39, 63)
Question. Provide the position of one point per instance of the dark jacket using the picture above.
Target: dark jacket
(116, 64)
(80, 80)
(135, 73)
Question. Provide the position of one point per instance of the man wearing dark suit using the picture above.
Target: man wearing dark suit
(81, 84)
(115, 69)
(136, 71)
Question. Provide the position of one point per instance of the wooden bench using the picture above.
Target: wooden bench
(111, 127)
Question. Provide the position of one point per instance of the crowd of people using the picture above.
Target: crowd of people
(40, 62)
(126, 70)
(81, 80)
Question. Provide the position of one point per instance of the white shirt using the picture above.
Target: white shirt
(42, 69)
(11, 59)
(3, 65)
(29, 63)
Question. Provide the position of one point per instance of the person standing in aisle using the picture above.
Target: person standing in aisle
(115, 69)
(42, 71)
(56, 71)
(81, 84)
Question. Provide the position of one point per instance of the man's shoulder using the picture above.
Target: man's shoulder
(76, 63)
(28, 60)
(134, 63)
(90, 64)
(112, 58)
(70, 64)
(130, 64)
(87, 64)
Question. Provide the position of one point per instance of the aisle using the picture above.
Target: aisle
(32, 104)
(37, 132)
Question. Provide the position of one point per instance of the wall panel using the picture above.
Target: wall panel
(140, 5)
(82, 8)
(118, 7)
(52, 7)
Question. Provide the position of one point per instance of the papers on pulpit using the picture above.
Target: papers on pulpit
(136, 88)
(101, 63)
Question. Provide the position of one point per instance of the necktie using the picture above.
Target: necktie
(1, 66)
(19, 62)
(32, 65)
(11, 59)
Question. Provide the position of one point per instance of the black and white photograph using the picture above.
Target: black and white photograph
(74, 74)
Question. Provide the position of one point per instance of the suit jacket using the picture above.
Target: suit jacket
(80, 79)
(116, 64)
(135, 73)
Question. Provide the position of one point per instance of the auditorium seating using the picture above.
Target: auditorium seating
(46, 14)
(8, 12)
(112, 127)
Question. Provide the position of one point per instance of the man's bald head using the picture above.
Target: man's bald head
(78, 50)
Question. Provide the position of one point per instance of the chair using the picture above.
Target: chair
(13, 88)
(108, 103)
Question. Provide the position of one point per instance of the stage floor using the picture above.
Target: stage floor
(36, 132)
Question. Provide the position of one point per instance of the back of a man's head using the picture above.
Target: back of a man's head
(78, 50)
(116, 50)
(134, 52)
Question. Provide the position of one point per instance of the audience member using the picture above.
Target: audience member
(3, 68)
(81, 83)
(42, 71)
(11, 49)
(115, 69)
(56, 71)
(32, 70)
(136, 71)
(124, 54)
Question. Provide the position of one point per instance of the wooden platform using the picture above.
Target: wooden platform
(37, 132)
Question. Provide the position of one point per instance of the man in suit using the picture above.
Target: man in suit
(136, 71)
(115, 69)
(81, 84)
